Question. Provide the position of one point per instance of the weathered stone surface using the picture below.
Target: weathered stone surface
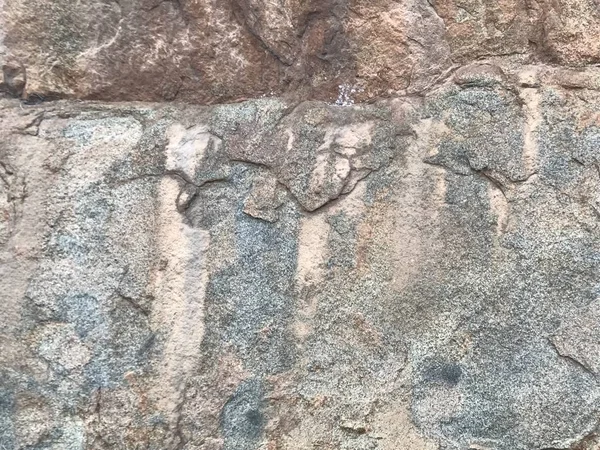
(209, 51)
(421, 272)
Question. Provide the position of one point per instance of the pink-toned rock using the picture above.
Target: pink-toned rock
(207, 51)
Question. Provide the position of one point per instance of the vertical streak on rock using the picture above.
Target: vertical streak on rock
(499, 206)
(407, 234)
(414, 217)
(533, 119)
(440, 189)
(312, 255)
(429, 134)
(312, 248)
(180, 286)
(19, 256)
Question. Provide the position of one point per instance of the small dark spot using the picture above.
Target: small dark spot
(148, 345)
(448, 373)
(254, 417)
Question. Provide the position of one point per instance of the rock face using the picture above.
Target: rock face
(418, 271)
(209, 51)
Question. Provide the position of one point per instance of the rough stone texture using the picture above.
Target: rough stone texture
(342, 224)
(211, 51)
(416, 273)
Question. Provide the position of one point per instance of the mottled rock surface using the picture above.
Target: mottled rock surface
(322, 224)
(415, 273)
